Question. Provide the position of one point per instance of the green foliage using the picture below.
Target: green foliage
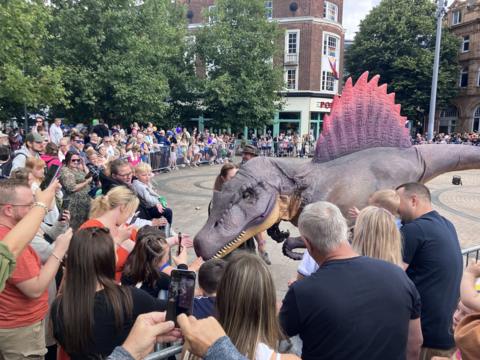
(117, 56)
(242, 85)
(397, 41)
(25, 78)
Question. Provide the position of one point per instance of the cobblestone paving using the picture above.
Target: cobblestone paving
(189, 191)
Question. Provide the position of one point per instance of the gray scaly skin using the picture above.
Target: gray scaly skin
(253, 200)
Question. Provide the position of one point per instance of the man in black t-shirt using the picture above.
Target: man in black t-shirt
(352, 307)
(433, 260)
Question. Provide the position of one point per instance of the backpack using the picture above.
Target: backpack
(6, 167)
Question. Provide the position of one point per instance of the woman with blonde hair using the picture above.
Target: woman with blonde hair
(112, 211)
(376, 235)
(247, 309)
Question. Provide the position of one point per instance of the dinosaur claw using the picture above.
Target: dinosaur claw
(276, 234)
(293, 243)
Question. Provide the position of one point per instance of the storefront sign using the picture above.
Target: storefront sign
(321, 105)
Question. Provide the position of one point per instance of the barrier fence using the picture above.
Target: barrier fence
(471, 253)
(165, 353)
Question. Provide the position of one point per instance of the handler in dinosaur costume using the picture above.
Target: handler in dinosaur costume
(364, 147)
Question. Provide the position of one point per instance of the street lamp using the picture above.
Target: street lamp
(441, 5)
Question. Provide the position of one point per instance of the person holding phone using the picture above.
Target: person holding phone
(94, 314)
(145, 265)
(76, 186)
(20, 235)
(112, 211)
(38, 180)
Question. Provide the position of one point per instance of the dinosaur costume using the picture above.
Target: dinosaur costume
(364, 147)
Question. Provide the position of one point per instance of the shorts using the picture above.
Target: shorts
(27, 342)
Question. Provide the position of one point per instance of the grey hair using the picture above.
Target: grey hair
(323, 224)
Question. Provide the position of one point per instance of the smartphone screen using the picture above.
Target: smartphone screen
(180, 294)
(52, 173)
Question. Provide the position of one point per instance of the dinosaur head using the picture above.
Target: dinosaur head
(247, 205)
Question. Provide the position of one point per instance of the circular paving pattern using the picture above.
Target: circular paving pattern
(463, 201)
(186, 185)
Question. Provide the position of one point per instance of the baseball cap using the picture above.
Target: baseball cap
(34, 137)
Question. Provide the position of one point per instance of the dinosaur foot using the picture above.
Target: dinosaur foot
(291, 244)
(276, 234)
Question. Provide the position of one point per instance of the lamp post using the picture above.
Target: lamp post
(441, 4)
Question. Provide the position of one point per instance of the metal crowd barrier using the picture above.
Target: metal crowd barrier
(165, 353)
(470, 254)
(160, 159)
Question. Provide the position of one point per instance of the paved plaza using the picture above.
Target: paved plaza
(189, 191)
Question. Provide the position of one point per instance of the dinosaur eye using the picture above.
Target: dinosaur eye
(247, 194)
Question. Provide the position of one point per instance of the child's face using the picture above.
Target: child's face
(38, 172)
(144, 177)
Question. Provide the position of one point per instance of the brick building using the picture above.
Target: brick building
(312, 58)
(464, 115)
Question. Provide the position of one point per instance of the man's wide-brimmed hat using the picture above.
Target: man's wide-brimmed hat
(249, 149)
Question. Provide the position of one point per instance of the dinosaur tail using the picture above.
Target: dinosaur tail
(442, 158)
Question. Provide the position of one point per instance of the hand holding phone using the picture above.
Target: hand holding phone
(64, 216)
(180, 294)
(52, 173)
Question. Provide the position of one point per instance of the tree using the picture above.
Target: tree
(397, 41)
(116, 56)
(25, 79)
(242, 85)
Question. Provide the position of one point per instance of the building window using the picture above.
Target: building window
(464, 78)
(466, 43)
(448, 120)
(269, 9)
(330, 46)
(456, 17)
(292, 47)
(476, 120)
(328, 81)
(291, 78)
(330, 11)
(292, 42)
(212, 14)
(478, 78)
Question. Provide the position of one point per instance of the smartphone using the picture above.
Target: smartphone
(179, 250)
(52, 173)
(180, 294)
(134, 218)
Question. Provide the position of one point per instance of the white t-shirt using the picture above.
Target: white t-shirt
(264, 352)
(308, 265)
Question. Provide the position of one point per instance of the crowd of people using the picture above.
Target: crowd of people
(99, 144)
(86, 263)
(466, 138)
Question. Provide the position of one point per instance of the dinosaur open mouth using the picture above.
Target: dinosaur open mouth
(271, 219)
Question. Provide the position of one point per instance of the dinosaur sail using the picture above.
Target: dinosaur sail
(363, 117)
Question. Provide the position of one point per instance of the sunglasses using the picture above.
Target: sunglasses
(79, 141)
(76, 160)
